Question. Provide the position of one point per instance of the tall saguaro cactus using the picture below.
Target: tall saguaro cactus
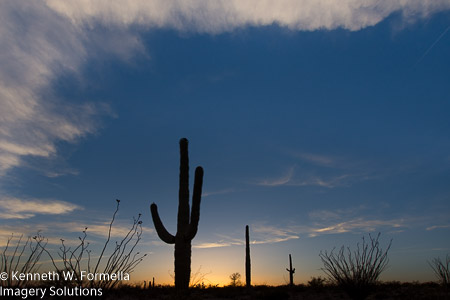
(187, 223)
(248, 276)
(291, 272)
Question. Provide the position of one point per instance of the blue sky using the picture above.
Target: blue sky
(317, 122)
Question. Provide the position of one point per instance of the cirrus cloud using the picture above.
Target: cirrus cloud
(15, 208)
(39, 40)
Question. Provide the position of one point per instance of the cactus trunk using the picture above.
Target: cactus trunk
(291, 271)
(187, 222)
(248, 276)
(182, 263)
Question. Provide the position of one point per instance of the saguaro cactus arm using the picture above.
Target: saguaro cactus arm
(293, 270)
(163, 234)
(290, 270)
(196, 198)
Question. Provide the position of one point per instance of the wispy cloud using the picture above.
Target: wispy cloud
(69, 231)
(283, 180)
(18, 235)
(260, 234)
(358, 224)
(223, 241)
(218, 244)
(270, 234)
(319, 159)
(308, 178)
(330, 182)
(62, 172)
(14, 234)
(101, 229)
(348, 220)
(41, 39)
(437, 227)
(321, 222)
(365, 218)
(15, 208)
(36, 45)
(322, 215)
(219, 192)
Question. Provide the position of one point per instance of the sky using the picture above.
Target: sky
(316, 123)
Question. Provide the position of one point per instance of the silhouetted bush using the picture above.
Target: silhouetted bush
(356, 271)
(317, 282)
(22, 256)
(235, 279)
(442, 270)
(123, 257)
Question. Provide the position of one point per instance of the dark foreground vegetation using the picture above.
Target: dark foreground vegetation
(388, 290)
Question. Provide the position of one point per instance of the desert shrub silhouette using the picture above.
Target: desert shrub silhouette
(187, 223)
(22, 256)
(356, 272)
(441, 270)
(317, 282)
(123, 257)
(198, 278)
(235, 279)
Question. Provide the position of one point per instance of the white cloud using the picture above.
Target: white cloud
(15, 208)
(226, 15)
(41, 39)
(207, 245)
(36, 44)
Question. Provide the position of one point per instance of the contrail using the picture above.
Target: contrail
(432, 45)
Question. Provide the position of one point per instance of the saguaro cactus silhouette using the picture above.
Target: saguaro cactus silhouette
(187, 224)
(248, 275)
(291, 271)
